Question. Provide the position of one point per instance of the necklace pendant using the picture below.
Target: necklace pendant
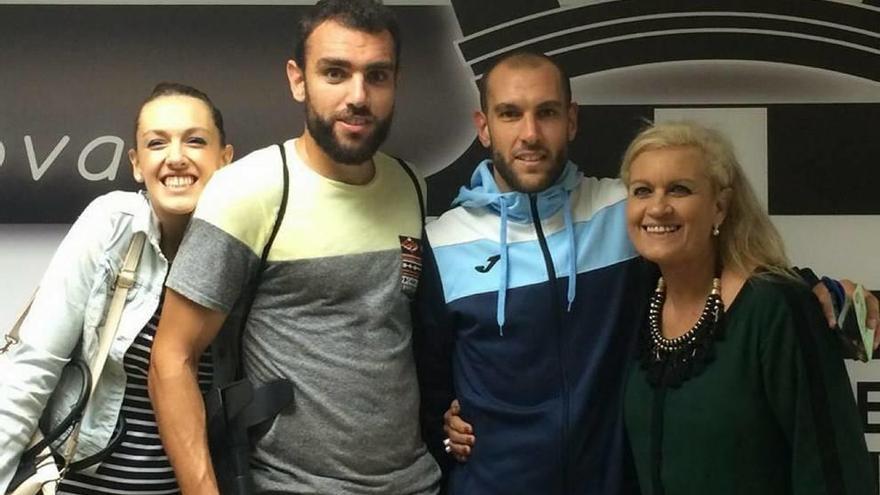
(658, 356)
(686, 355)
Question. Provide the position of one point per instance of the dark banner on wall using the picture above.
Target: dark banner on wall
(73, 76)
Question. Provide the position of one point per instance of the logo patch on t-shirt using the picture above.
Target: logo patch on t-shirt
(410, 264)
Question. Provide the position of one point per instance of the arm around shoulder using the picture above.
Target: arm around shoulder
(433, 341)
(809, 390)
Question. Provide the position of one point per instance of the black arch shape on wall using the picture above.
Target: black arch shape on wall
(815, 33)
(720, 45)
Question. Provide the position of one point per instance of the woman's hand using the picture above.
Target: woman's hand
(459, 434)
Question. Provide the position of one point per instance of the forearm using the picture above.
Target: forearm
(180, 414)
(435, 381)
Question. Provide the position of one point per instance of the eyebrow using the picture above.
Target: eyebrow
(341, 62)
(551, 104)
(556, 104)
(683, 180)
(333, 62)
(163, 132)
(500, 107)
(687, 182)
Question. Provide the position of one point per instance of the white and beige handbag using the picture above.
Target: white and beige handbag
(50, 452)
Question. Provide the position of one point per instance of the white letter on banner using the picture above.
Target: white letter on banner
(108, 173)
(2, 153)
(37, 170)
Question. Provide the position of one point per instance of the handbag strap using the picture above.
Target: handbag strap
(124, 281)
(12, 336)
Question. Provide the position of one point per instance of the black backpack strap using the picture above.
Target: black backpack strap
(415, 181)
(264, 262)
(282, 209)
(234, 404)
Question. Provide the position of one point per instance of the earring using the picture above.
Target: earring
(716, 230)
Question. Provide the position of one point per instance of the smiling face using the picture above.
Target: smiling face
(348, 88)
(527, 124)
(178, 148)
(672, 207)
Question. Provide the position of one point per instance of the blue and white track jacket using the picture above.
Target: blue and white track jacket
(537, 358)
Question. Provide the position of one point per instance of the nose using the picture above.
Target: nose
(357, 94)
(174, 155)
(529, 132)
(659, 206)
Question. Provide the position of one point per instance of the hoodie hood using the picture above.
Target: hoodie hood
(515, 206)
(483, 191)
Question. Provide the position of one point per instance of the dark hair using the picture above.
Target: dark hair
(178, 89)
(522, 58)
(369, 16)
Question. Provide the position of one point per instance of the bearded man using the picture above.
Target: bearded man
(529, 301)
(331, 311)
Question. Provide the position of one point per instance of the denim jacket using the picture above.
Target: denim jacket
(69, 308)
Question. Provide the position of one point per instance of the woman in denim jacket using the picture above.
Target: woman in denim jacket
(179, 144)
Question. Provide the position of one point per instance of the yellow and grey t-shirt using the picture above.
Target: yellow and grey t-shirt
(331, 314)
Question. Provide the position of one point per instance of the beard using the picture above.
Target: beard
(509, 175)
(321, 130)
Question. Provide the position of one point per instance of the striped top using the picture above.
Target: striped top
(138, 466)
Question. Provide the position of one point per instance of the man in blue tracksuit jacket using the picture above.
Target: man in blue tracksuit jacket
(529, 300)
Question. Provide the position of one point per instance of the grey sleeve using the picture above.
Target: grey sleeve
(211, 267)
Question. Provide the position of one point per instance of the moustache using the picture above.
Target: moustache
(530, 150)
(355, 115)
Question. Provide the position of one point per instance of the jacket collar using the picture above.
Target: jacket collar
(483, 191)
(144, 220)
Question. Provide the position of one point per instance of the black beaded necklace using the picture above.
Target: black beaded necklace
(669, 362)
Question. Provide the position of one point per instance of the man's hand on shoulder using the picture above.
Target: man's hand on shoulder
(826, 299)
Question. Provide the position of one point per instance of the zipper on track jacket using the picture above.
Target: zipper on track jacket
(557, 306)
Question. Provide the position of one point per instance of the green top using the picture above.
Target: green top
(772, 414)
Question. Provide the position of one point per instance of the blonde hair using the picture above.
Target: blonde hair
(748, 240)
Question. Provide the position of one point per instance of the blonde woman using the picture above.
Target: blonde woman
(739, 387)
